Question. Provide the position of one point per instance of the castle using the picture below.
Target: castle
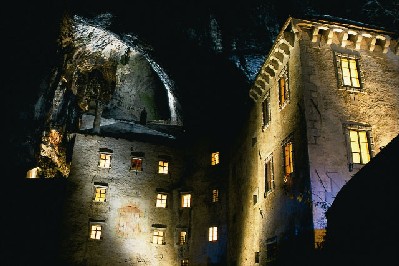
(139, 192)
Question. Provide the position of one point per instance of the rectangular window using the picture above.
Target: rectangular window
(136, 164)
(215, 158)
(161, 200)
(95, 231)
(266, 111)
(163, 167)
(360, 145)
(288, 160)
(348, 71)
(184, 262)
(182, 238)
(186, 200)
(215, 195)
(213, 234)
(269, 176)
(283, 89)
(271, 249)
(100, 193)
(105, 160)
(158, 237)
(257, 257)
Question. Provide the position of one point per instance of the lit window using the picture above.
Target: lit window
(105, 160)
(184, 262)
(161, 200)
(186, 200)
(95, 231)
(183, 237)
(215, 195)
(32, 173)
(158, 237)
(215, 158)
(283, 88)
(269, 176)
(348, 71)
(213, 234)
(288, 164)
(266, 111)
(359, 146)
(136, 164)
(163, 167)
(100, 193)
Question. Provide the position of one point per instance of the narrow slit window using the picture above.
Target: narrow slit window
(266, 111)
(215, 158)
(288, 159)
(183, 237)
(215, 195)
(269, 176)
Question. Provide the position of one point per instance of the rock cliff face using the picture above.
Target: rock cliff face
(210, 52)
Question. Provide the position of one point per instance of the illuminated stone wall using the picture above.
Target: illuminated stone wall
(129, 212)
(292, 215)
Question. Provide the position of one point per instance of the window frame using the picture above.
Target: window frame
(100, 186)
(183, 201)
(158, 233)
(266, 111)
(183, 234)
(215, 158)
(285, 77)
(288, 169)
(213, 234)
(271, 249)
(358, 127)
(107, 153)
(184, 262)
(215, 195)
(340, 73)
(98, 224)
(163, 167)
(161, 202)
(269, 175)
(136, 168)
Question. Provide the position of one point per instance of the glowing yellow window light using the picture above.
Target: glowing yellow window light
(161, 200)
(158, 237)
(32, 173)
(359, 146)
(215, 158)
(350, 73)
(95, 231)
(105, 160)
(183, 237)
(163, 167)
(282, 90)
(213, 234)
(186, 200)
(288, 165)
(100, 194)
